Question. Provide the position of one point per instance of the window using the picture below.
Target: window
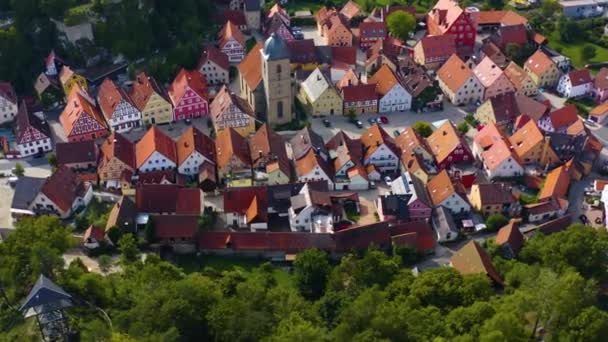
(279, 70)
(280, 109)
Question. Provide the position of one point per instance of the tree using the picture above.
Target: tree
(513, 51)
(496, 221)
(18, 170)
(52, 159)
(296, 329)
(352, 115)
(150, 230)
(105, 263)
(463, 127)
(400, 24)
(589, 51)
(496, 4)
(590, 325)
(423, 128)
(128, 249)
(550, 8)
(311, 270)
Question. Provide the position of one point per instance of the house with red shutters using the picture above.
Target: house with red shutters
(360, 98)
(188, 93)
(447, 17)
(232, 42)
(370, 32)
(80, 119)
(448, 146)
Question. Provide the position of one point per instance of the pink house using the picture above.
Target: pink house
(492, 78)
(188, 93)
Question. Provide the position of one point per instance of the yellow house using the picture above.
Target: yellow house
(321, 95)
(531, 146)
(493, 198)
(523, 83)
(69, 79)
(151, 101)
(543, 71)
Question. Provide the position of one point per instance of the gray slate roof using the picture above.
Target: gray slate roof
(26, 190)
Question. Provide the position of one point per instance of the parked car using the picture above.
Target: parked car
(371, 121)
(584, 219)
(388, 180)
(326, 123)
(383, 119)
(359, 124)
(396, 133)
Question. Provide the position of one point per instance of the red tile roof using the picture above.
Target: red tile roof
(344, 54)
(442, 46)
(511, 235)
(187, 79)
(175, 226)
(110, 96)
(213, 54)
(473, 259)
(78, 104)
(155, 140)
(143, 88)
(234, 16)
(93, 232)
(244, 200)
(265, 241)
(362, 237)
(579, 77)
(416, 234)
(563, 117)
(76, 152)
(168, 198)
(116, 145)
(194, 140)
(230, 143)
(372, 29)
(251, 67)
(62, 188)
(230, 31)
(359, 92)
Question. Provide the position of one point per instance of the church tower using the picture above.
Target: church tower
(276, 75)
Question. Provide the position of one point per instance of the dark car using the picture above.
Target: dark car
(383, 119)
(371, 121)
(584, 219)
(326, 123)
(359, 124)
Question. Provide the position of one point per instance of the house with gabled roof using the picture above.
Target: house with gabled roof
(410, 142)
(600, 86)
(559, 120)
(232, 42)
(8, 102)
(556, 184)
(351, 10)
(167, 199)
(32, 133)
(473, 259)
(230, 111)
(393, 96)
(491, 77)
(510, 35)
(599, 113)
(510, 239)
(277, 10)
(499, 18)
(419, 204)
(276, 25)
(234, 164)
(492, 148)
(69, 79)
(379, 150)
(433, 51)
(543, 71)
(458, 82)
(447, 193)
(500, 110)
(321, 95)
(445, 227)
(193, 149)
(62, 194)
(494, 198)
(493, 52)
(155, 152)
(522, 82)
(81, 119)
(214, 65)
(117, 157)
(448, 146)
(370, 32)
(250, 80)
(360, 98)
(116, 105)
(303, 54)
(576, 83)
(531, 147)
(306, 139)
(246, 207)
(448, 18)
(348, 79)
(77, 155)
(345, 153)
(312, 167)
(151, 100)
(546, 210)
(269, 157)
(188, 93)
(335, 28)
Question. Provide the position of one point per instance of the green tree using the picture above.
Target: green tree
(150, 230)
(18, 170)
(311, 270)
(401, 24)
(423, 128)
(463, 127)
(52, 159)
(105, 263)
(589, 51)
(550, 8)
(496, 221)
(296, 329)
(128, 249)
(496, 4)
(513, 51)
(590, 325)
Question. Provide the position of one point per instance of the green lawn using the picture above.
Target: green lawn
(573, 50)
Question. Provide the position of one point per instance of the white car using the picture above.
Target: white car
(388, 180)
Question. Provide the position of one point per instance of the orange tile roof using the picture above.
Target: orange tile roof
(110, 96)
(516, 75)
(512, 235)
(440, 187)
(444, 11)
(213, 54)
(251, 67)
(600, 110)
(230, 143)
(443, 141)
(473, 259)
(504, 18)
(374, 137)
(194, 140)
(563, 117)
(143, 88)
(526, 138)
(307, 163)
(539, 63)
(556, 184)
(187, 79)
(408, 140)
(350, 9)
(384, 79)
(454, 73)
(266, 145)
(77, 104)
(230, 31)
(495, 148)
(487, 72)
(155, 140)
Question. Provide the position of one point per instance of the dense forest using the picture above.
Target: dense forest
(552, 291)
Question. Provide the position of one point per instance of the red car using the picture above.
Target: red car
(384, 119)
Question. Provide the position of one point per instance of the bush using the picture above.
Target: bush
(463, 127)
(423, 128)
(496, 221)
(19, 170)
(589, 51)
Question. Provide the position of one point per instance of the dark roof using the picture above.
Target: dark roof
(396, 205)
(413, 76)
(302, 51)
(495, 193)
(25, 120)
(344, 54)
(304, 140)
(360, 92)
(76, 152)
(552, 226)
(175, 226)
(122, 214)
(168, 198)
(443, 220)
(288, 242)
(62, 188)
(279, 196)
(45, 296)
(511, 235)
(26, 190)
(566, 146)
(362, 237)
(252, 5)
(275, 48)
